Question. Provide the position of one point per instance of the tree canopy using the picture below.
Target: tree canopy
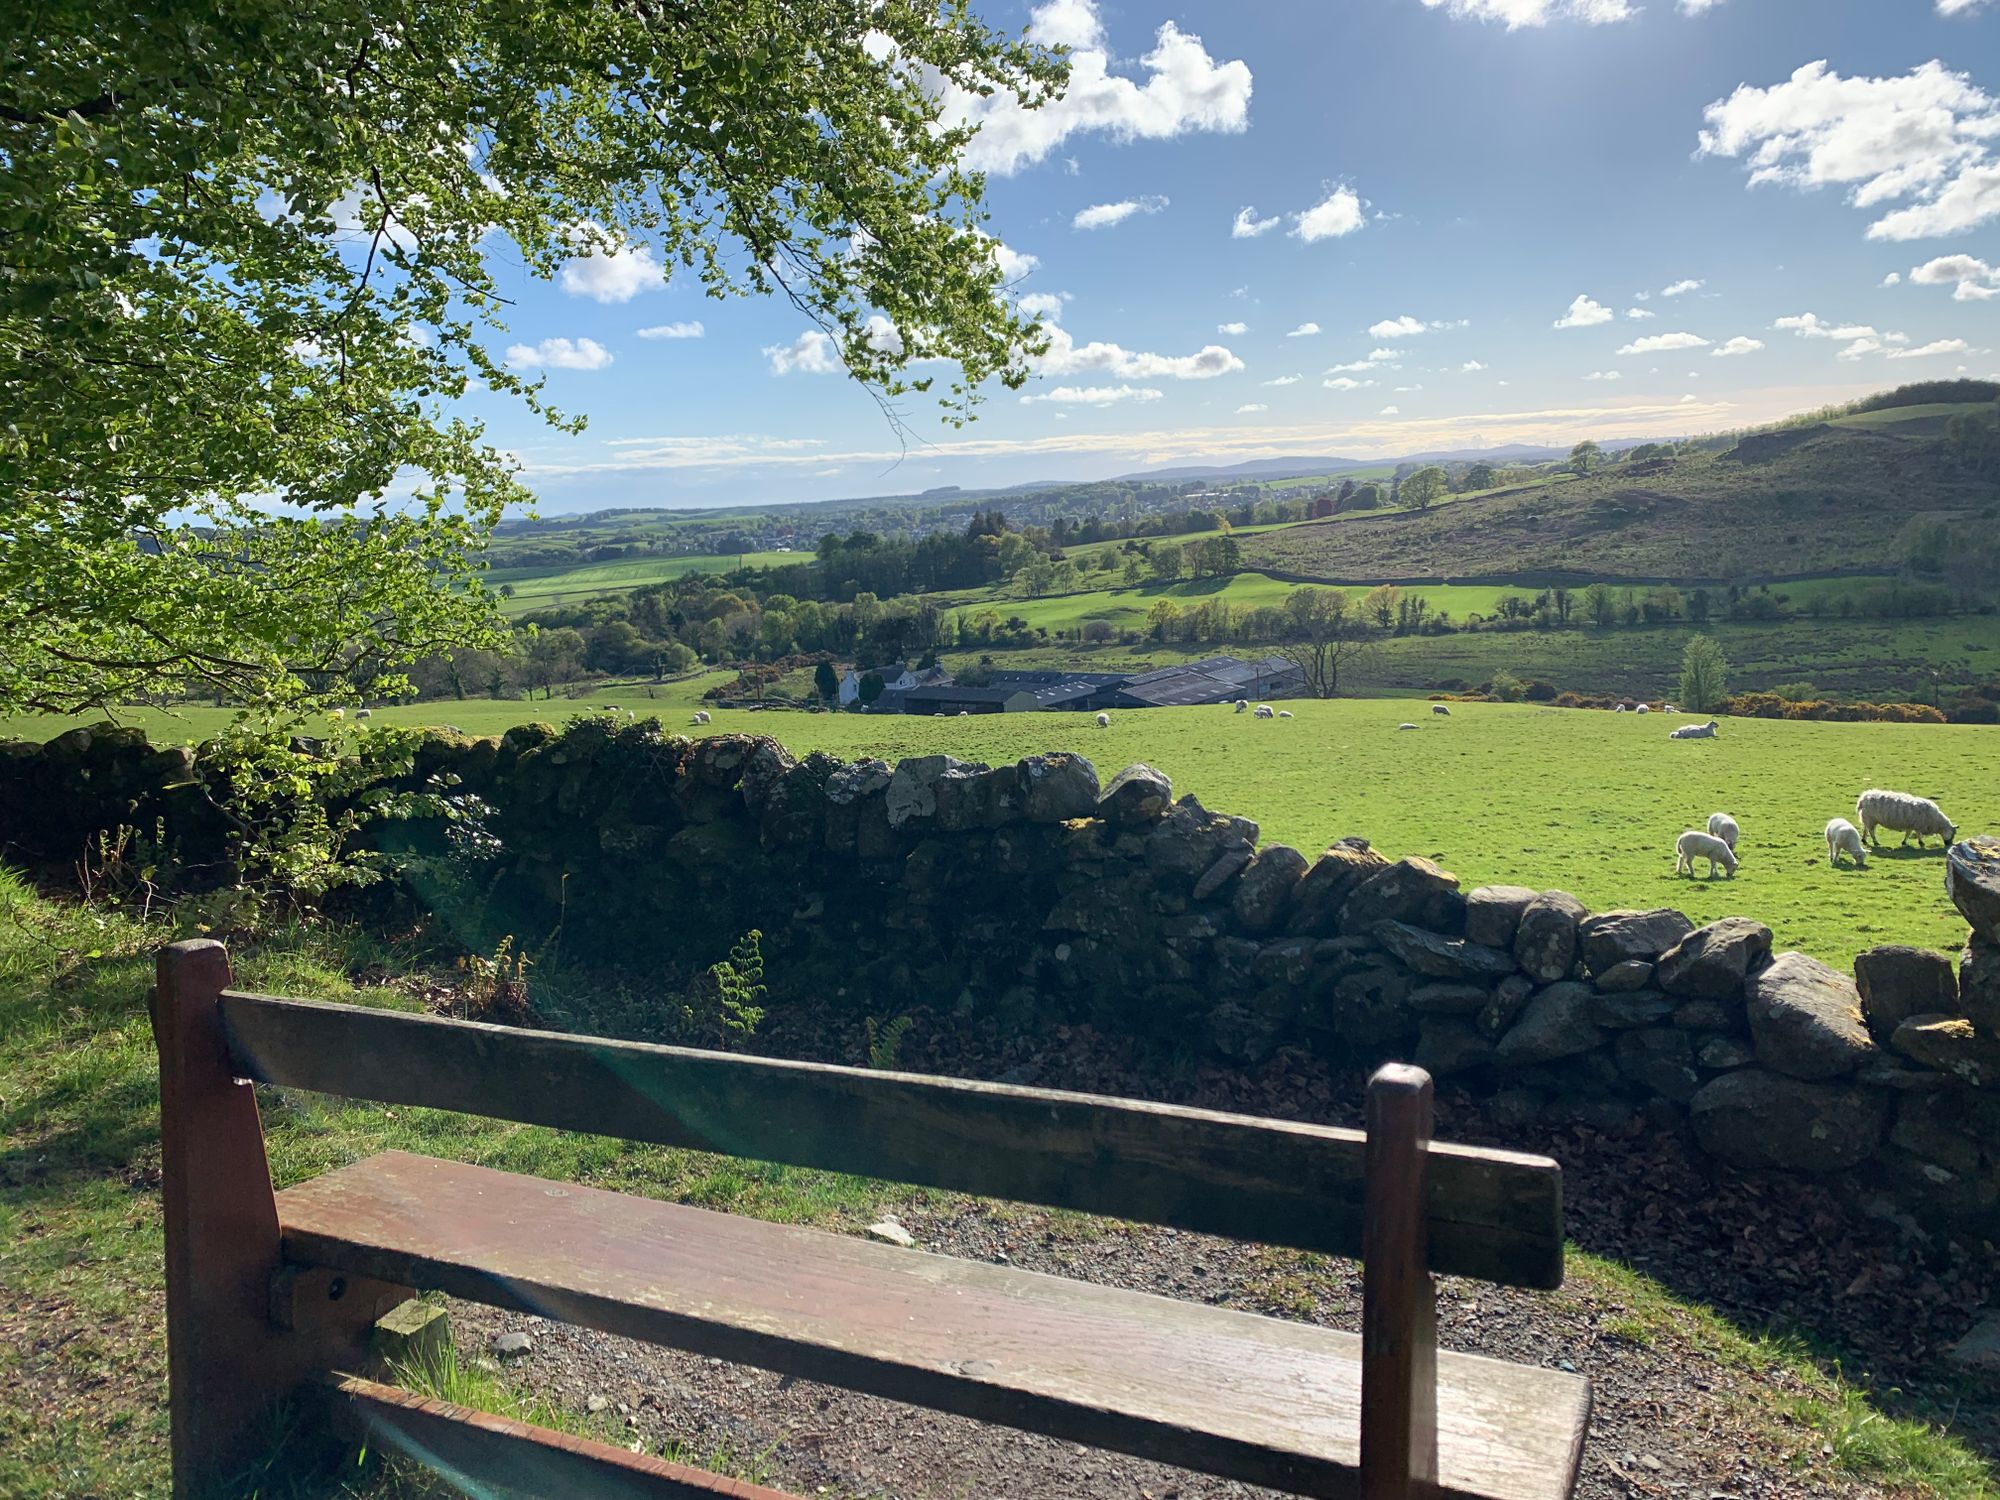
(245, 274)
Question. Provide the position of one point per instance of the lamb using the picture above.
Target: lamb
(1723, 827)
(1900, 812)
(1694, 731)
(1284, 713)
(1694, 845)
(1104, 721)
(1842, 837)
(1439, 708)
(701, 716)
(1264, 711)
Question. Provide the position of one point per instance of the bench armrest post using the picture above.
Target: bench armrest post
(1398, 1300)
(222, 1244)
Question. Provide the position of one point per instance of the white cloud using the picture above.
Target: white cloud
(1403, 327)
(1285, 380)
(690, 330)
(1937, 346)
(1232, 330)
(1014, 264)
(1811, 326)
(1974, 280)
(1416, 387)
(558, 354)
(1642, 296)
(1926, 137)
(1698, 7)
(1041, 305)
(1738, 345)
(1346, 383)
(1392, 411)
(811, 353)
(1469, 366)
(1682, 288)
(1583, 313)
(1690, 396)
(1640, 313)
(1184, 90)
(1604, 375)
(1094, 395)
(1958, 7)
(1894, 278)
(1661, 343)
(1248, 226)
(1104, 215)
(1250, 406)
(1866, 344)
(1337, 214)
(1067, 357)
(607, 275)
(1304, 330)
(1514, 14)
(1377, 359)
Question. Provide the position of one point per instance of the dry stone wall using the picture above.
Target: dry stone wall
(1036, 894)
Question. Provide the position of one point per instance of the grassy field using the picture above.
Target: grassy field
(538, 588)
(1590, 802)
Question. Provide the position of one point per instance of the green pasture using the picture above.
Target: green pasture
(539, 588)
(1894, 415)
(1587, 801)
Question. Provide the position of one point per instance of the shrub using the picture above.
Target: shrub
(1539, 691)
(1796, 692)
(1507, 687)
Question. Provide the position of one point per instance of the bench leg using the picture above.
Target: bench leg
(1398, 1301)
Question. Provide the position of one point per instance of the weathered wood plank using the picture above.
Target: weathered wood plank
(481, 1454)
(1398, 1303)
(1246, 1397)
(1494, 1215)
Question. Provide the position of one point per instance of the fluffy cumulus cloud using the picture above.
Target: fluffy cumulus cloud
(1470, 366)
(1067, 357)
(1936, 346)
(1925, 139)
(1303, 331)
(1248, 226)
(811, 353)
(1583, 313)
(1337, 214)
(1741, 344)
(1639, 314)
(1392, 411)
(1664, 343)
(1973, 279)
(1104, 215)
(1014, 264)
(1604, 375)
(1682, 288)
(1346, 383)
(689, 330)
(1041, 304)
(1232, 330)
(1697, 7)
(1958, 7)
(1250, 406)
(607, 275)
(1812, 326)
(1093, 395)
(1402, 327)
(1182, 89)
(1514, 14)
(558, 354)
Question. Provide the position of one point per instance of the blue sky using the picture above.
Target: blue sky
(1366, 227)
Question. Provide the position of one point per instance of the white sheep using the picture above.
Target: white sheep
(1104, 721)
(1284, 713)
(701, 716)
(1406, 726)
(363, 713)
(1264, 711)
(1668, 708)
(1619, 709)
(1723, 827)
(1439, 708)
(1694, 845)
(1642, 709)
(1242, 704)
(1842, 837)
(1900, 812)
(1694, 731)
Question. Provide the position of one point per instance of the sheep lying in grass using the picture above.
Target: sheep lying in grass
(1900, 812)
(1104, 721)
(701, 716)
(1695, 731)
(1284, 713)
(1694, 845)
(1406, 726)
(1842, 837)
(1723, 827)
(1439, 708)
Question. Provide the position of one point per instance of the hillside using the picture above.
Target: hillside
(1811, 499)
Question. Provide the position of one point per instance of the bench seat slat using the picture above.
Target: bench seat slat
(1494, 1215)
(1231, 1393)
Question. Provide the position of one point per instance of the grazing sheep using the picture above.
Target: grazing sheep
(1842, 837)
(1723, 827)
(1406, 726)
(1439, 708)
(1694, 731)
(1900, 812)
(1668, 708)
(701, 716)
(1618, 709)
(965, 713)
(1264, 711)
(363, 713)
(1104, 721)
(1242, 704)
(1694, 845)
(1284, 713)
(1642, 709)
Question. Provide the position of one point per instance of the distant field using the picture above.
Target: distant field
(1897, 415)
(1590, 802)
(539, 588)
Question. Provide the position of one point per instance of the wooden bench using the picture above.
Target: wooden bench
(271, 1296)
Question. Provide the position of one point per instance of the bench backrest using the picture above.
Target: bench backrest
(1493, 1215)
